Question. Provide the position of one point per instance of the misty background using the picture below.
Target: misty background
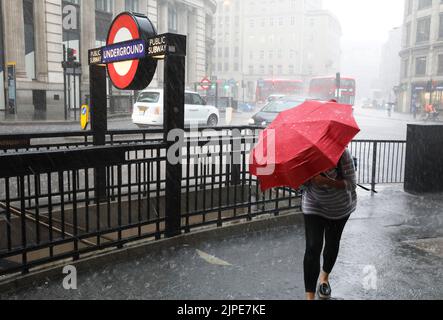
(365, 26)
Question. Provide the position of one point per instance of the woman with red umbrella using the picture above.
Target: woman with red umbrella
(307, 146)
(328, 201)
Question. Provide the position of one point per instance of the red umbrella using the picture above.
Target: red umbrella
(302, 143)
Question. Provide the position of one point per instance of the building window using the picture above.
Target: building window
(103, 20)
(236, 66)
(262, 69)
(420, 66)
(280, 69)
(132, 5)
(226, 67)
(251, 69)
(424, 4)
(236, 52)
(172, 19)
(227, 52)
(440, 65)
(440, 27)
(28, 16)
(262, 54)
(423, 29)
(291, 69)
(104, 5)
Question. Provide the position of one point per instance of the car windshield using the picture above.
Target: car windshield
(281, 105)
(149, 97)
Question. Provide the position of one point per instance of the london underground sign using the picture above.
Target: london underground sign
(205, 84)
(133, 49)
(130, 57)
(125, 55)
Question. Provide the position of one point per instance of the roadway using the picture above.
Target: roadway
(375, 125)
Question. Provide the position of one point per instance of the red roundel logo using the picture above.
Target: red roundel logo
(124, 28)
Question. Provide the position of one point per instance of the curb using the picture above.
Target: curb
(54, 122)
(386, 118)
(54, 273)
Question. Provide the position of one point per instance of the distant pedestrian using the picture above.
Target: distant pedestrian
(415, 107)
(389, 106)
(328, 202)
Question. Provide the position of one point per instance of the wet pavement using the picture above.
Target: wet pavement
(391, 249)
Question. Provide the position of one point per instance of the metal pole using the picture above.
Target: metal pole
(338, 85)
(64, 84)
(216, 94)
(75, 95)
(174, 89)
(374, 167)
(99, 126)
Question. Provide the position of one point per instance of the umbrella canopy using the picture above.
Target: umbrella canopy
(302, 143)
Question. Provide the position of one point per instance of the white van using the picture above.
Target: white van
(148, 110)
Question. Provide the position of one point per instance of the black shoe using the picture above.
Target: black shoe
(324, 291)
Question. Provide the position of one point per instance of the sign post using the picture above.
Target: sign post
(12, 88)
(205, 84)
(130, 57)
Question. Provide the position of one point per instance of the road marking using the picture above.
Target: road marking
(212, 260)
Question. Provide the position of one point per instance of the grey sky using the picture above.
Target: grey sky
(365, 25)
(367, 19)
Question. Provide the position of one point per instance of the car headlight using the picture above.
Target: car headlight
(251, 122)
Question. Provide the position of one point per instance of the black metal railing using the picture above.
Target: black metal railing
(66, 199)
(52, 206)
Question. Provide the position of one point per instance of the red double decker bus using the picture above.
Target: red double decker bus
(325, 88)
(268, 87)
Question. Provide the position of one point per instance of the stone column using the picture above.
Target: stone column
(15, 35)
(163, 17)
(182, 28)
(143, 7)
(119, 7)
(87, 37)
(41, 51)
(192, 46)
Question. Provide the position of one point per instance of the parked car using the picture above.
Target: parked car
(270, 111)
(148, 110)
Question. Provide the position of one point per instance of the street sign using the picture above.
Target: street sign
(205, 84)
(166, 44)
(132, 63)
(95, 56)
(128, 66)
(84, 117)
(130, 50)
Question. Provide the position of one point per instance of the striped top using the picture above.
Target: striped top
(332, 203)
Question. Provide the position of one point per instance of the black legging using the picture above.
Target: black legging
(317, 230)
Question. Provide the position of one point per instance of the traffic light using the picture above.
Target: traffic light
(72, 55)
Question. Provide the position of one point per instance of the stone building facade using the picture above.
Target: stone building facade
(421, 55)
(33, 32)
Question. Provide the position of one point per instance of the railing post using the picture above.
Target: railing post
(99, 120)
(174, 89)
(374, 167)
